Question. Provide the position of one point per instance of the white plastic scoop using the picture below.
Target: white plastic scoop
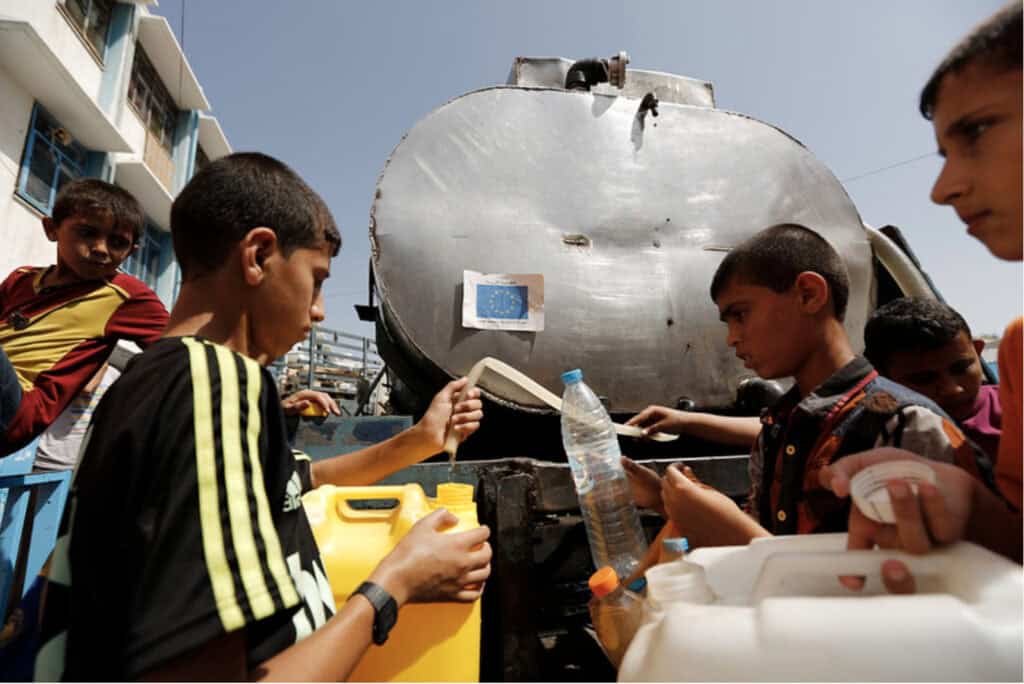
(536, 389)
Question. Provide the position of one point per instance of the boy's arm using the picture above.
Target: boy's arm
(329, 654)
(740, 431)
(142, 318)
(416, 444)
(50, 395)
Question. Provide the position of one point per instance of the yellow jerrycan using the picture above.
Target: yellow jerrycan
(430, 642)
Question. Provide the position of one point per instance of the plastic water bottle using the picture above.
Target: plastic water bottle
(606, 503)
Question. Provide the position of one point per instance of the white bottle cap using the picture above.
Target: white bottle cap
(868, 486)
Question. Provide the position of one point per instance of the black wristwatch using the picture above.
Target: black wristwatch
(384, 607)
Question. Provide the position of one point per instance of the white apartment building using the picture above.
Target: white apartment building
(97, 88)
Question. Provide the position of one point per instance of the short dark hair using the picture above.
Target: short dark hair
(93, 197)
(996, 43)
(910, 324)
(234, 194)
(774, 257)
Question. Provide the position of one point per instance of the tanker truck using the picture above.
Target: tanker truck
(595, 201)
(573, 217)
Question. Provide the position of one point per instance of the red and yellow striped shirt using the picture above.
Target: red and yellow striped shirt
(57, 338)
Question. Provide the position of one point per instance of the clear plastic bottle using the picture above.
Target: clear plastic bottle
(616, 613)
(606, 503)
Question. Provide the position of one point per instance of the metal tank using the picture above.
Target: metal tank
(624, 198)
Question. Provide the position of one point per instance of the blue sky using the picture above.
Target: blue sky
(331, 86)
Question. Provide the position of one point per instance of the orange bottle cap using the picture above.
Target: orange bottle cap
(603, 582)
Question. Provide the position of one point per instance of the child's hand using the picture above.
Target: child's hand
(429, 565)
(450, 411)
(934, 515)
(660, 419)
(303, 399)
(703, 514)
(645, 486)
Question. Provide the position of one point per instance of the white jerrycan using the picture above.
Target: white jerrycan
(775, 611)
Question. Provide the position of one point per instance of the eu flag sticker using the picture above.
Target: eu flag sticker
(503, 301)
(506, 302)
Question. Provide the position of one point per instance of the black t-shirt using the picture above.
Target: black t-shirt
(184, 522)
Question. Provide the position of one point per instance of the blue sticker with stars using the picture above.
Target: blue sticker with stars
(509, 302)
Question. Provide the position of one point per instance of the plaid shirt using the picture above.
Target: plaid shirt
(853, 410)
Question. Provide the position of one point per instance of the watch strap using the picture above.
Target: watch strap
(384, 607)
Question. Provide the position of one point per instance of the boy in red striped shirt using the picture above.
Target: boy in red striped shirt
(58, 324)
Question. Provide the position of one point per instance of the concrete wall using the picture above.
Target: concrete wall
(20, 231)
(62, 37)
(134, 132)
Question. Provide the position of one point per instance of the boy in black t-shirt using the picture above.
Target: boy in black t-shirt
(185, 553)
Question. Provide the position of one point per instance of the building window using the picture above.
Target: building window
(151, 101)
(51, 159)
(92, 18)
(144, 262)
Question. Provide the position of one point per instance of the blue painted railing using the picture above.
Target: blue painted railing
(21, 490)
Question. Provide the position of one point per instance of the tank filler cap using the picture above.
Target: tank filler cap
(586, 73)
(617, 69)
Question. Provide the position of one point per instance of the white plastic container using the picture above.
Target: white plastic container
(778, 613)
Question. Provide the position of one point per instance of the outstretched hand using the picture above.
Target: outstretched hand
(659, 419)
(937, 514)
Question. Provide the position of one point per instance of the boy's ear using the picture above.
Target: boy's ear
(979, 345)
(50, 228)
(812, 289)
(254, 250)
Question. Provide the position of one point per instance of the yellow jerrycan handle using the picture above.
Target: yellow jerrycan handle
(342, 495)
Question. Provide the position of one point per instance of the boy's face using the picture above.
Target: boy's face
(950, 375)
(90, 247)
(977, 121)
(765, 327)
(290, 300)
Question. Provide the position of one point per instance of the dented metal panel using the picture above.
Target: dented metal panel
(626, 216)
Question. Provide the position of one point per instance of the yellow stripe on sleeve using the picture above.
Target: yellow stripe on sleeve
(206, 475)
(272, 545)
(250, 568)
